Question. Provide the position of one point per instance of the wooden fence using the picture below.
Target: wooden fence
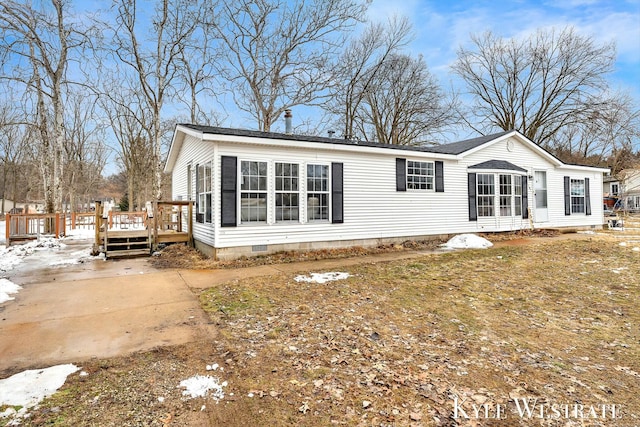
(21, 227)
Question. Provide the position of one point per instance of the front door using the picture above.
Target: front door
(541, 213)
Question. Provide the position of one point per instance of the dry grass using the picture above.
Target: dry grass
(395, 343)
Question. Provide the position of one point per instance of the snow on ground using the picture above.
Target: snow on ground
(467, 241)
(13, 255)
(322, 277)
(202, 386)
(7, 287)
(28, 388)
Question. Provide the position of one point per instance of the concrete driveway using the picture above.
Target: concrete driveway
(95, 309)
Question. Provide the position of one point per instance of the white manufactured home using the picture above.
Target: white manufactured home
(258, 192)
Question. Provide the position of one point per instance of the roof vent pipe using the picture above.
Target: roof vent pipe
(287, 122)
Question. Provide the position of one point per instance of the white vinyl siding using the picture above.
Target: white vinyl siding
(372, 204)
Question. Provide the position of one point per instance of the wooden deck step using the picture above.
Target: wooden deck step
(127, 244)
(128, 253)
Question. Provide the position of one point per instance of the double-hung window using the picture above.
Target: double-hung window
(317, 192)
(203, 190)
(517, 194)
(420, 175)
(287, 192)
(577, 196)
(486, 194)
(615, 188)
(253, 192)
(506, 198)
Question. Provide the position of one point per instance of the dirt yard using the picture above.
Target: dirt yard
(461, 338)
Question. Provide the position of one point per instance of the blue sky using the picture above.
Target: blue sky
(441, 27)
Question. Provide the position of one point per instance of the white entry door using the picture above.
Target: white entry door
(541, 213)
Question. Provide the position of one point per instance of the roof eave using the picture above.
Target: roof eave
(176, 144)
(351, 147)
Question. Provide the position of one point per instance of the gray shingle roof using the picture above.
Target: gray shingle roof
(454, 148)
(498, 164)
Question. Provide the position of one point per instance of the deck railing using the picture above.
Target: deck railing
(21, 227)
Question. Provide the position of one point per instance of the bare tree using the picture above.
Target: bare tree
(605, 137)
(277, 52)
(196, 78)
(537, 85)
(128, 117)
(85, 153)
(360, 64)
(154, 68)
(40, 41)
(404, 104)
(12, 150)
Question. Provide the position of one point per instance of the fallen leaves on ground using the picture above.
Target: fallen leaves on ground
(396, 343)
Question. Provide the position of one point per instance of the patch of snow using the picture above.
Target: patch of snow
(201, 386)
(7, 287)
(467, 241)
(586, 232)
(322, 277)
(636, 249)
(623, 243)
(619, 270)
(79, 233)
(13, 255)
(28, 388)
(77, 257)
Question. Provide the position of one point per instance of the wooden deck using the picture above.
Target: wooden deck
(170, 222)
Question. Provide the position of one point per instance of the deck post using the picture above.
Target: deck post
(8, 229)
(56, 227)
(96, 226)
(73, 220)
(190, 223)
(156, 214)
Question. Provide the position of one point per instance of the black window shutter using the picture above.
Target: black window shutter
(229, 186)
(439, 177)
(525, 197)
(401, 174)
(337, 199)
(587, 197)
(199, 216)
(473, 203)
(567, 195)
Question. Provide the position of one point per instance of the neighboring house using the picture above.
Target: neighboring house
(610, 186)
(258, 192)
(630, 189)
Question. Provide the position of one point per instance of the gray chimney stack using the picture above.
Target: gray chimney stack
(287, 122)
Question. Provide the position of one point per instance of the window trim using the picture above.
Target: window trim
(266, 192)
(276, 192)
(204, 193)
(326, 193)
(480, 204)
(430, 178)
(577, 197)
(483, 197)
